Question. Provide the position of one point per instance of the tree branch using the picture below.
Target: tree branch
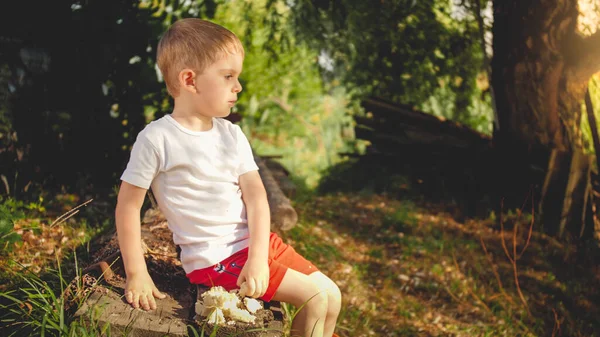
(583, 55)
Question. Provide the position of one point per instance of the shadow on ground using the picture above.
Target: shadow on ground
(440, 271)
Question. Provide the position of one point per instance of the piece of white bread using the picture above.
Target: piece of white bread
(252, 305)
(216, 316)
(218, 305)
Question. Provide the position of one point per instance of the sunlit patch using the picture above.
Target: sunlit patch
(589, 16)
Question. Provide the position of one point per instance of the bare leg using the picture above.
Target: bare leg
(334, 300)
(301, 291)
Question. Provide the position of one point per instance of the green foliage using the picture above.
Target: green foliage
(12, 210)
(403, 50)
(478, 115)
(7, 236)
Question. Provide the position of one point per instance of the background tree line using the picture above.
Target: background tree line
(78, 81)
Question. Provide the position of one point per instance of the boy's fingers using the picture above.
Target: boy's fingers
(251, 285)
(243, 289)
(136, 300)
(144, 302)
(129, 296)
(151, 302)
(259, 289)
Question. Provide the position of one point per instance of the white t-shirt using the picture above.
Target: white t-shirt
(194, 176)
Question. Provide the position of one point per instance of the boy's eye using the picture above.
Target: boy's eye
(228, 76)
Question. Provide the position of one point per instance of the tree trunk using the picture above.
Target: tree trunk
(540, 70)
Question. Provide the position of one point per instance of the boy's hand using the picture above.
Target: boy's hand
(255, 274)
(140, 291)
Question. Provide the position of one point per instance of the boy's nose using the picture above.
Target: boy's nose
(238, 87)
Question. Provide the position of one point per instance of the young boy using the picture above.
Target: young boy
(202, 172)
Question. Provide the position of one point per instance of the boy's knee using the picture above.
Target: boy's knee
(330, 288)
(319, 303)
(334, 299)
(312, 297)
(335, 294)
(327, 285)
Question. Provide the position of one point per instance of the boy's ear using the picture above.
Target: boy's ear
(187, 80)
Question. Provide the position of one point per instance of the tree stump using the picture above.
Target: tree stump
(105, 306)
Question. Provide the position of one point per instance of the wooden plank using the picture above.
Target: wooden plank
(105, 306)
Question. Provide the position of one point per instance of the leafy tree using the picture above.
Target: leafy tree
(403, 50)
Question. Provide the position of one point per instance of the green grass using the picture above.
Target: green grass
(39, 306)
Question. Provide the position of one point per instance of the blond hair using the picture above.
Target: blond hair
(195, 44)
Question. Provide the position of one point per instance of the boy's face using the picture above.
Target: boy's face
(217, 87)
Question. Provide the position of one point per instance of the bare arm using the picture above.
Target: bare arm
(259, 217)
(139, 289)
(127, 216)
(259, 225)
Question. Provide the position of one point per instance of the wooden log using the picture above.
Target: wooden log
(395, 129)
(281, 175)
(413, 134)
(397, 114)
(283, 215)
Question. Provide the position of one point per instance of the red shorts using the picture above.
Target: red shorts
(226, 272)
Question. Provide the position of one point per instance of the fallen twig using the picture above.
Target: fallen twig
(69, 214)
(513, 259)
